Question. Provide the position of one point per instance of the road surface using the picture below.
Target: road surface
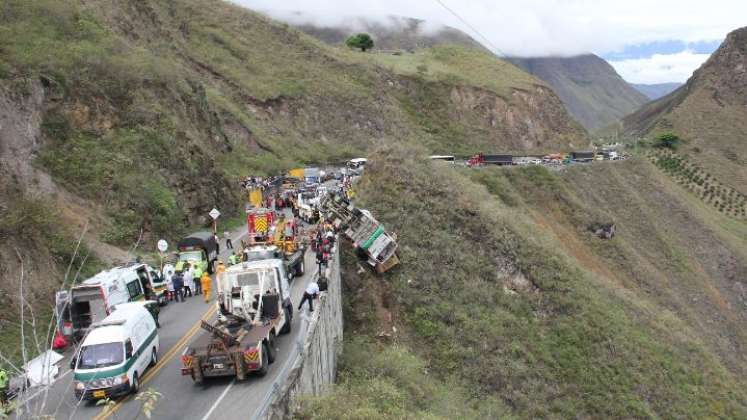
(218, 398)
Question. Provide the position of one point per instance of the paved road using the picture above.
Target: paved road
(218, 398)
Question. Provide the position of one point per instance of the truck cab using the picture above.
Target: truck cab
(200, 250)
(241, 285)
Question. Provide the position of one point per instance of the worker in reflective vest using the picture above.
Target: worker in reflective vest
(205, 283)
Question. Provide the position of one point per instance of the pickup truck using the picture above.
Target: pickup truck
(254, 307)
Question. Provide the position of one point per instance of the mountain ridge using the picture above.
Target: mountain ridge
(590, 87)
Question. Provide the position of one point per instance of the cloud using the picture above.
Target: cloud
(660, 68)
(542, 27)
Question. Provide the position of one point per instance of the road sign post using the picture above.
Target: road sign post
(215, 214)
(162, 246)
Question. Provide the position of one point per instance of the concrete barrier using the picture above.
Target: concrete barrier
(315, 366)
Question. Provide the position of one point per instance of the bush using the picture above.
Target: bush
(667, 141)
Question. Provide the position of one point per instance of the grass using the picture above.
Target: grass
(504, 290)
(455, 65)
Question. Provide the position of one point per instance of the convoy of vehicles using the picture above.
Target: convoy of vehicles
(94, 299)
(254, 307)
(115, 353)
(200, 250)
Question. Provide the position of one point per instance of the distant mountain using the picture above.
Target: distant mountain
(656, 91)
(709, 112)
(589, 87)
(389, 33)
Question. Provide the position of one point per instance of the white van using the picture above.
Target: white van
(115, 353)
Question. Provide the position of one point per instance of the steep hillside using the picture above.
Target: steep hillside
(657, 90)
(507, 297)
(709, 112)
(390, 33)
(133, 119)
(589, 87)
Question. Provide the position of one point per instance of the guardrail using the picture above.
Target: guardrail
(280, 402)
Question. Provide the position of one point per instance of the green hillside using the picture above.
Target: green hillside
(130, 120)
(708, 112)
(507, 297)
(589, 87)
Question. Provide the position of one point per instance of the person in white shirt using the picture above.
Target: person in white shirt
(311, 292)
(188, 280)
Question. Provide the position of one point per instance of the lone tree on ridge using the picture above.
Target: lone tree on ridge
(362, 41)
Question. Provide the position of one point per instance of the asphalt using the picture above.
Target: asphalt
(181, 398)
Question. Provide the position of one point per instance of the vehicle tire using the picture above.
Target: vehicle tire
(301, 268)
(272, 346)
(135, 387)
(288, 317)
(265, 363)
(153, 357)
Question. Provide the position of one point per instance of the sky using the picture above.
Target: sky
(647, 41)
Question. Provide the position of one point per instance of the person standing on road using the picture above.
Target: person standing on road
(178, 282)
(4, 380)
(205, 285)
(311, 292)
(188, 280)
(169, 286)
(220, 268)
(196, 285)
(227, 237)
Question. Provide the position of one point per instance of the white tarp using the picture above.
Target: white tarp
(43, 369)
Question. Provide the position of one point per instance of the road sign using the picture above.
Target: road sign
(214, 213)
(162, 245)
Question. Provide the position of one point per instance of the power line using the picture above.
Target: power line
(461, 19)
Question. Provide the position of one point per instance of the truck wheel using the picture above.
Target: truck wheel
(288, 317)
(265, 363)
(272, 353)
(153, 357)
(135, 387)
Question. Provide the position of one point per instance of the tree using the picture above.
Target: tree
(667, 140)
(362, 41)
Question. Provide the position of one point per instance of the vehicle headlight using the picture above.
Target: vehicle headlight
(119, 380)
(80, 385)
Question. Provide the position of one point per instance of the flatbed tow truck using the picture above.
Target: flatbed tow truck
(254, 307)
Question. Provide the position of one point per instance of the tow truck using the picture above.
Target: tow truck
(254, 307)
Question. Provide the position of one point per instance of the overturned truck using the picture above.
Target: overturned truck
(367, 234)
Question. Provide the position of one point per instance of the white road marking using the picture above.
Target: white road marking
(218, 401)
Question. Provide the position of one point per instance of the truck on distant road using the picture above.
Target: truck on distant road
(482, 159)
(254, 307)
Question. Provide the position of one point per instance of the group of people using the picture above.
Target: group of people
(183, 284)
(322, 242)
